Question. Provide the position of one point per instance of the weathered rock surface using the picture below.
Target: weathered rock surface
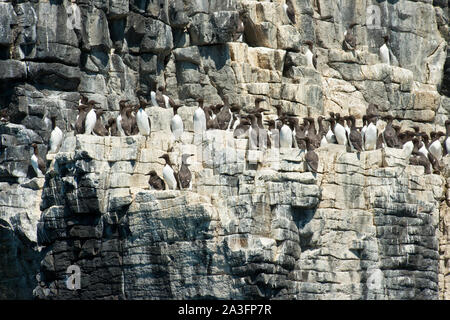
(254, 225)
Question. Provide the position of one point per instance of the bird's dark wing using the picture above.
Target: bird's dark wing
(312, 159)
(356, 140)
(41, 165)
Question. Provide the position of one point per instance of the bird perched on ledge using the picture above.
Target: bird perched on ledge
(155, 181)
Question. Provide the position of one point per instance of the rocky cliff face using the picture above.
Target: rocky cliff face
(255, 224)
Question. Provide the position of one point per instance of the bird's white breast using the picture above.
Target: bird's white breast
(285, 137)
(169, 177)
(91, 118)
(56, 138)
(119, 125)
(331, 138)
(370, 137)
(436, 149)
(153, 98)
(199, 120)
(142, 122)
(340, 131)
(176, 125)
(384, 54)
(408, 148)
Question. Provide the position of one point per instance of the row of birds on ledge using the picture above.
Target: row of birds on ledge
(285, 131)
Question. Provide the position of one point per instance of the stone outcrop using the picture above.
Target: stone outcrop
(255, 224)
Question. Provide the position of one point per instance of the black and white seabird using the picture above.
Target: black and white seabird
(384, 51)
(407, 143)
(389, 134)
(349, 38)
(371, 134)
(122, 119)
(330, 136)
(176, 123)
(310, 55)
(435, 147)
(133, 128)
(37, 162)
(111, 126)
(322, 132)
(312, 159)
(288, 8)
(99, 128)
(211, 123)
(447, 137)
(339, 130)
(312, 133)
(199, 118)
(142, 118)
(253, 133)
(418, 158)
(56, 137)
(185, 175)
(91, 118)
(81, 118)
(285, 133)
(169, 173)
(355, 138)
(224, 116)
(242, 128)
(155, 181)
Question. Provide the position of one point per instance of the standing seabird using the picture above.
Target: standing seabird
(435, 147)
(322, 132)
(355, 138)
(310, 55)
(56, 137)
(91, 118)
(285, 134)
(235, 111)
(418, 158)
(37, 162)
(331, 138)
(349, 38)
(199, 118)
(169, 173)
(407, 143)
(389, 134)
(153, 96)
(289, 10)
(111, 126)
(142, 118)
(122, 120)
(253, 133)
(160, 97)
(176, 123)
(81, 118)
(364, 128)
(155, 181)
(371, 134)
(424, 143)
(447, 137)
(224, 116)
(211, 123)
(241, 128)
(312, 159)
(185, 175)
(339, 130)
(312, 133)
(384, 51)
(99, 128)
(83, 100)
(168, 101)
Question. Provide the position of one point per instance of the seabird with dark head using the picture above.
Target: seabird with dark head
(142, 118)
(289, 10)
(169, 173)
(91, 117)
(185, 175)
(311, 158)
(349, 38)
(37, 162)
(355, 138)
(155, 181)
(56, 137)
(99, 128)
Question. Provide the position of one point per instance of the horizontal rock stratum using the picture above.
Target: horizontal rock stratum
(256, 224)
